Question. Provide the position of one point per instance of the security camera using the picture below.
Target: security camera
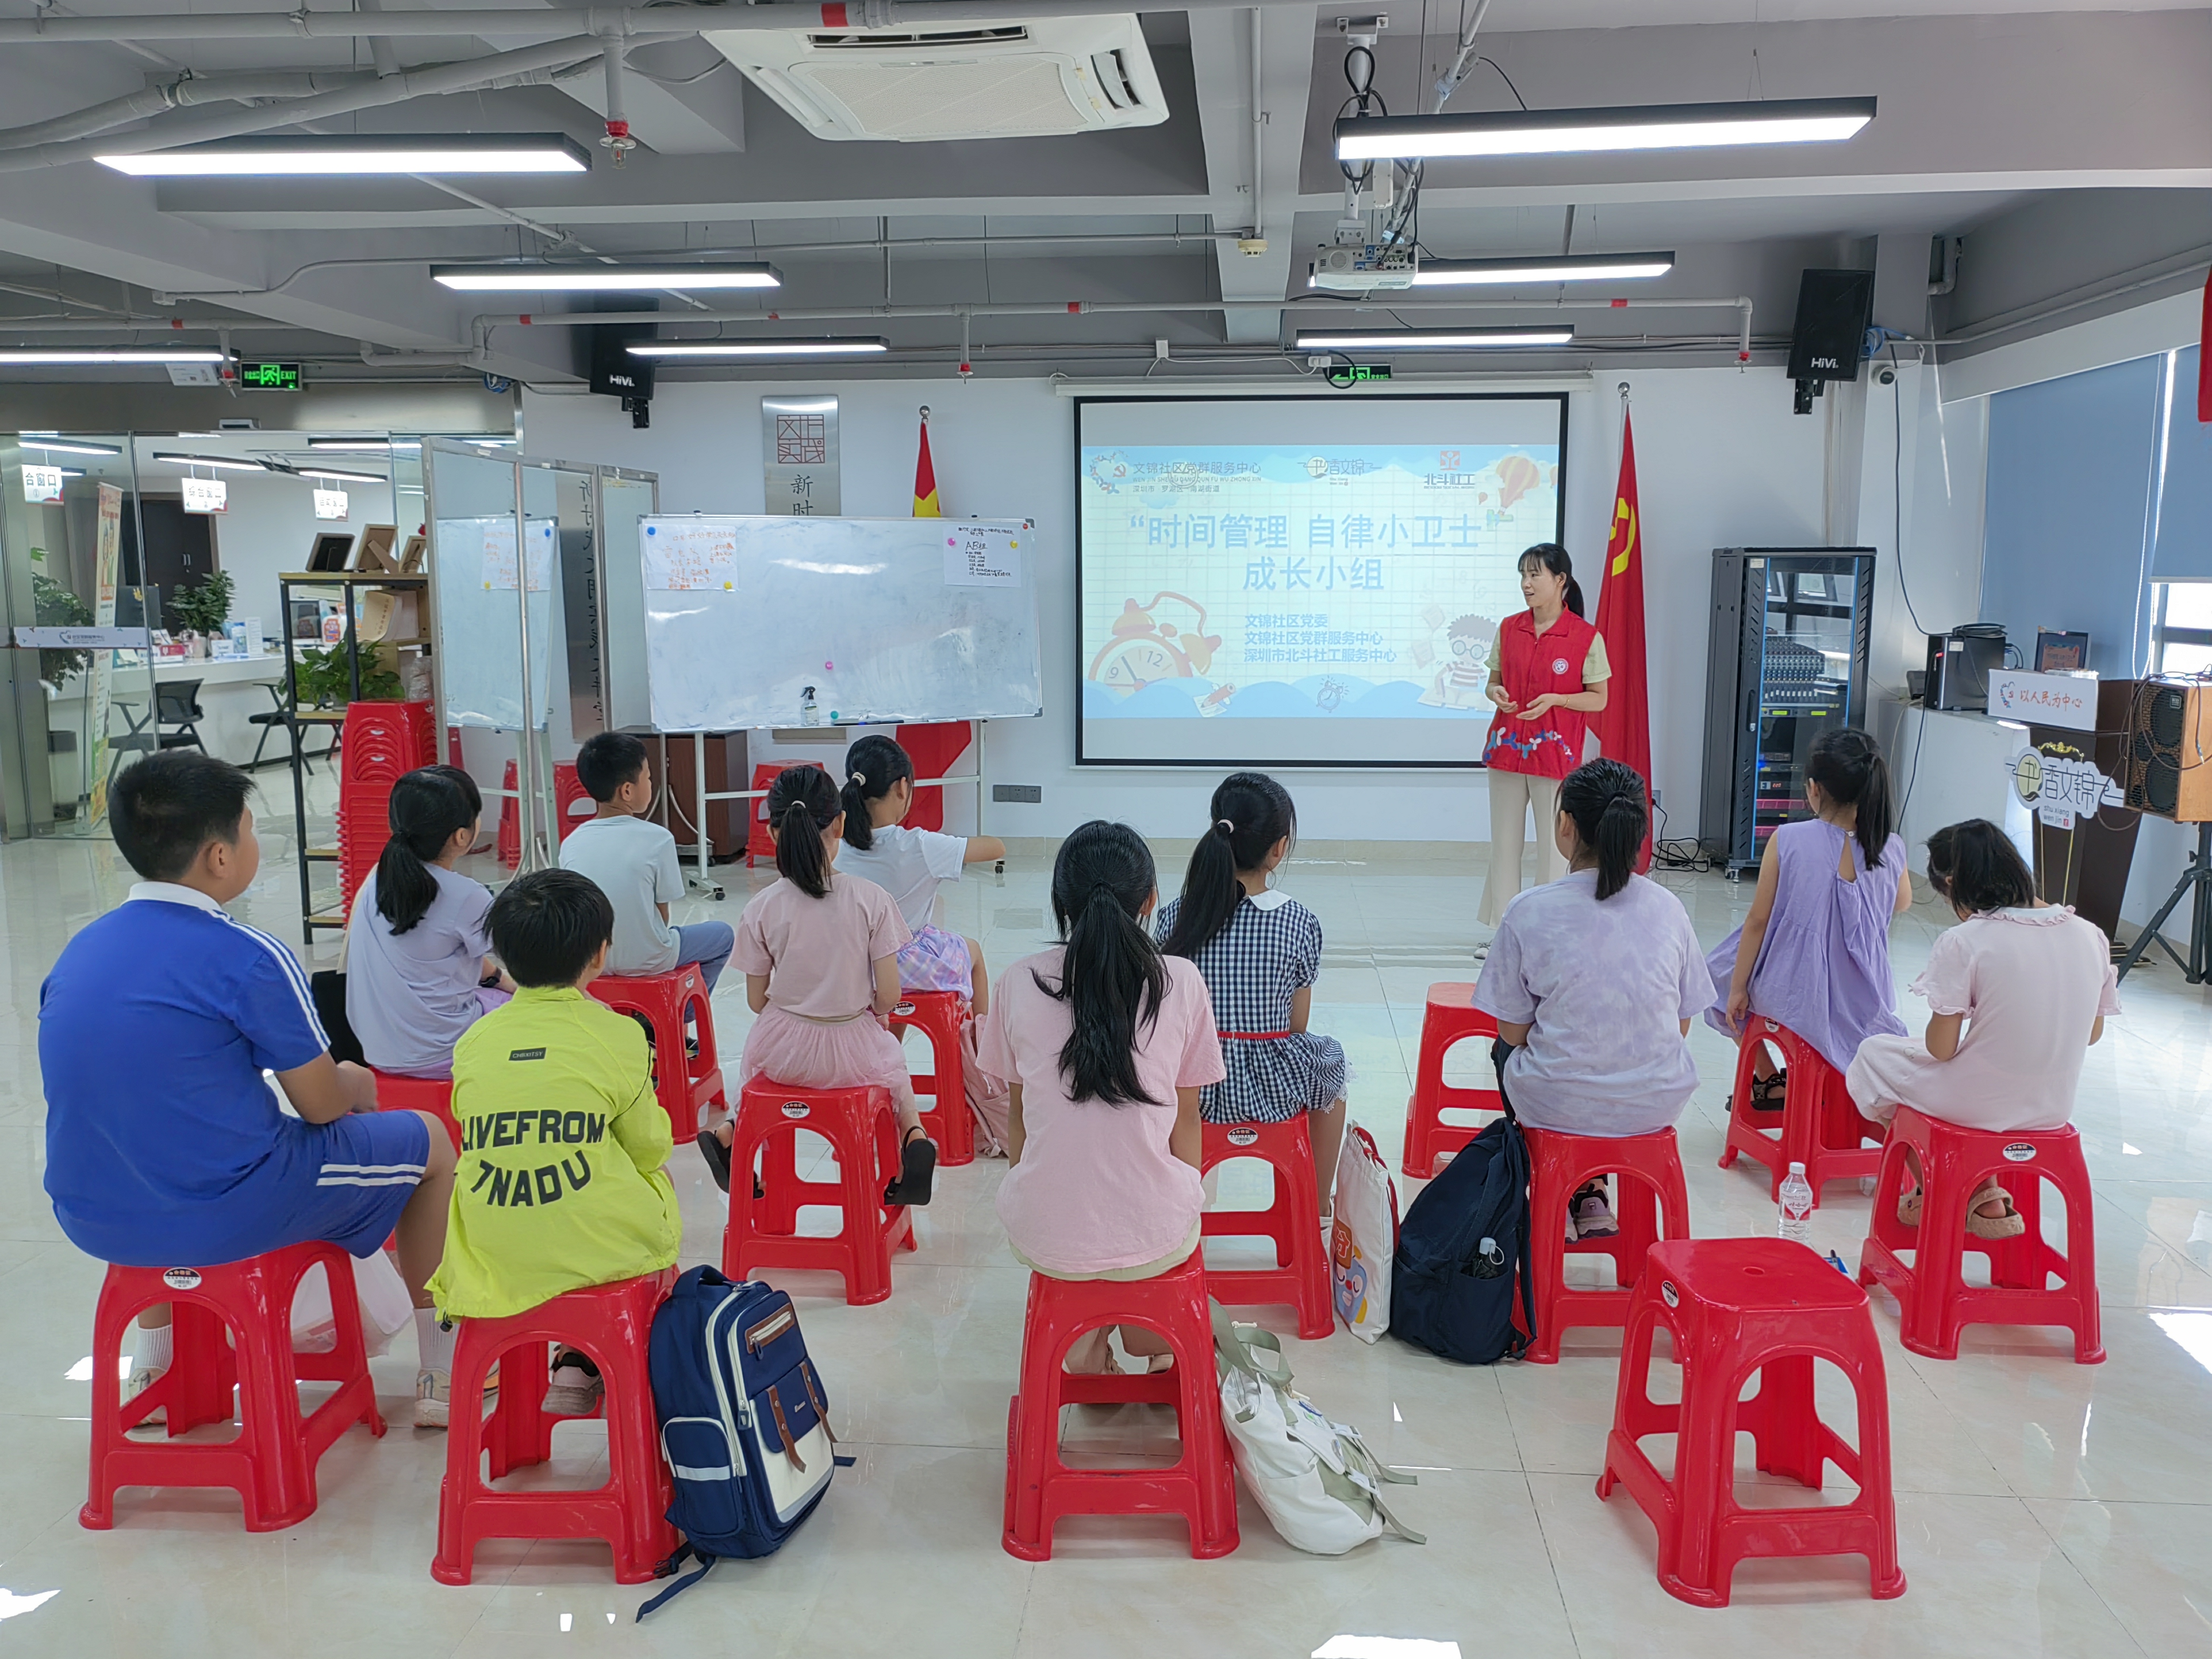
(1885, 375)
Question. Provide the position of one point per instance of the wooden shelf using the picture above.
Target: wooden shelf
(320, 716)
(325, 919)
(320, 854)
(354, 578)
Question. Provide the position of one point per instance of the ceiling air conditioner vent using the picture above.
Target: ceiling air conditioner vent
(1022, 80)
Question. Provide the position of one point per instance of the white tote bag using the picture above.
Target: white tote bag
(1365, 1238)
(386, 1307)
(1316, 1479)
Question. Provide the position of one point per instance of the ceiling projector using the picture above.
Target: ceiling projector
(1363, 270)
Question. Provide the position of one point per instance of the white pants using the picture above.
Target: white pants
(1512, 794)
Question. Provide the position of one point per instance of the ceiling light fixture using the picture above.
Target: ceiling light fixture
(846, 347)
(1584, 131)
(340, 154)
(542, 279)
(97, 355)
(378, 445)
(67, 446)
(1437, 339)
(1572, 268)
(341, 477)
(226, 462)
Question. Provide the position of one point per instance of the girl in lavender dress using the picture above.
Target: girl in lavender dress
(1813, 953)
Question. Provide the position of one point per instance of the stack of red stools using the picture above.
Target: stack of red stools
(759, 844)
(568, 790)
(384, 742)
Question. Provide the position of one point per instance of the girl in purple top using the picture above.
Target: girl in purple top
(1813, 953)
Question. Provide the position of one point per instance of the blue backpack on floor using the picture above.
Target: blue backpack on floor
(745, 1421)
(1462, 1251)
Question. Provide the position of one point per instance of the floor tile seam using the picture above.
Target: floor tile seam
(1558, 1585)
(2082, 1572)
(68, 1513)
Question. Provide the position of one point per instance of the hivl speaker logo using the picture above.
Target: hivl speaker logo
(1243, 1136)
(796, 1109)
(1669, 1295)
(2019, 1152)
(1827, 362)
(182, 1279)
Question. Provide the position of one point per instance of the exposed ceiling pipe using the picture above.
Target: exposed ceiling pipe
(381, 52)
(167, 325)
(633, 22)
(1258, 133)
(524, 66)
(189, 89)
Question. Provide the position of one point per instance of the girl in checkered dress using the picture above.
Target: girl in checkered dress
(1260, 951)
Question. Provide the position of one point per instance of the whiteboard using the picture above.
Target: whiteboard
(888, 619)
(479, 642)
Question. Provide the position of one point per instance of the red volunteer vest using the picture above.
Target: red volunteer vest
(1550, 746)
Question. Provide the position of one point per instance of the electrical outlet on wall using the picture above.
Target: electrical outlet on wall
(1028, 792)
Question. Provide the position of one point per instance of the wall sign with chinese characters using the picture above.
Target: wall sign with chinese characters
(2067, 700)
(206, 495)
(42, 483)
(799, 455)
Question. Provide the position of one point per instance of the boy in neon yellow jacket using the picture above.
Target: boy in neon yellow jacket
(560, 1183)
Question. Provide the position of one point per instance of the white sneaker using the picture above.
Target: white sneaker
(574, 1389)
(434, 1393)
(1593, 1218)
(141, 1379)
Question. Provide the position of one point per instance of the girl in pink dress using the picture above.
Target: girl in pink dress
(819, 951)
(2016, 993)
(1107, 1044)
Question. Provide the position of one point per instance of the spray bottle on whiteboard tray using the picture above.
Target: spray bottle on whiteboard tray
(810, 712)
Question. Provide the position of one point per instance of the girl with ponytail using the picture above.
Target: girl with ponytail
(1107, 1044)
(1260, 951)
(911, 864)
(418, 950)
(1547, 674)
(1813, 952)
(819, 951)
(1594, 979)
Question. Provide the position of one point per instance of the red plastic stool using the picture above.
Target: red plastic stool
(1451, 1018)
(271, 1462)
(1737, 1306)
(1300, 1278)
(939, 1015)
(568, 790)
(686, 1083)
(433, 1094)
(1820, 1125)
(1200, 1486)
(1649, 1203)
(759, 844)
(862, 1128)
(612, 1323)
(510, 824)
(1933, 1298)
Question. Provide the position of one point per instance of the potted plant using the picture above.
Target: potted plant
(204, 609)
(321, 680)
(56, 606)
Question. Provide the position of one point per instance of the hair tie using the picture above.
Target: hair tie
(861, 778)
(1224, 824)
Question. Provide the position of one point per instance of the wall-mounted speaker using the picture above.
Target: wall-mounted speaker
(613, 372)
(2167, 767)
(1833, 309)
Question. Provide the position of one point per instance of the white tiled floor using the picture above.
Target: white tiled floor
(2043, 1508)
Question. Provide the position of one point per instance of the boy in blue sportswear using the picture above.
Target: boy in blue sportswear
(165, 1145)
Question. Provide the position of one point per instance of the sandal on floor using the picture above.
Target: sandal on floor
(1909, 1207)
(2011, 1224)
(917, 1170)
(1768, 1093)
(717, 1156)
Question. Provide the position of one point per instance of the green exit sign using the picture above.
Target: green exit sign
(1343, 374)
(269, 377)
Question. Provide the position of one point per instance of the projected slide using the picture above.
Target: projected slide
(1292, 582)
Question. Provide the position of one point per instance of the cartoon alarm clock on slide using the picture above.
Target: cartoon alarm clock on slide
(1143, 650)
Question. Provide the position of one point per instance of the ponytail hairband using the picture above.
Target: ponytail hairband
(1224, 824)
(861, 778)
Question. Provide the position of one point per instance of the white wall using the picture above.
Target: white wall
(1722, 461)
(270, 528)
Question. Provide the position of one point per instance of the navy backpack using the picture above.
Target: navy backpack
(745, 1421)
(1462, 1251)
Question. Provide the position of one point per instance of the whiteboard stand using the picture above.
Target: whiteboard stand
(703, 881)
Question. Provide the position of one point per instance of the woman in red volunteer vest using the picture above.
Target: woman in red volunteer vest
(1547, 674)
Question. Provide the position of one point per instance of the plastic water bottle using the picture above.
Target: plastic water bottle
(1797, 1206)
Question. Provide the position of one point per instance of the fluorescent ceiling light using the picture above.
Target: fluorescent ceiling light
(343, 154)
(852, 348)
(97, 355)
(379, 446)
(1437, 339)
(71, 446)
(500, 279)
(1580, 131)
(223, 461)
(342, 477)
(1576, 268)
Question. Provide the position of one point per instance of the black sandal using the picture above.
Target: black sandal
(918, 1168)
(718, 1157)
(1768, 1092)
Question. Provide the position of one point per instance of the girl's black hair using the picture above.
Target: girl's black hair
(1848, 766)
(467, 786)
(872, 767)
(427, 807)
(1975, 865)
(1605, 797)
(1111, 978)
(1251, 812)
(1553, 558)
(802, 804)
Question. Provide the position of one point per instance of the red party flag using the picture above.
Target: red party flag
(1624, 725)
(925, 478)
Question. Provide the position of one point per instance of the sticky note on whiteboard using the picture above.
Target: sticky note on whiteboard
(983, 555)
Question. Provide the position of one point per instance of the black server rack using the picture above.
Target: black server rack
(1787, 661)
